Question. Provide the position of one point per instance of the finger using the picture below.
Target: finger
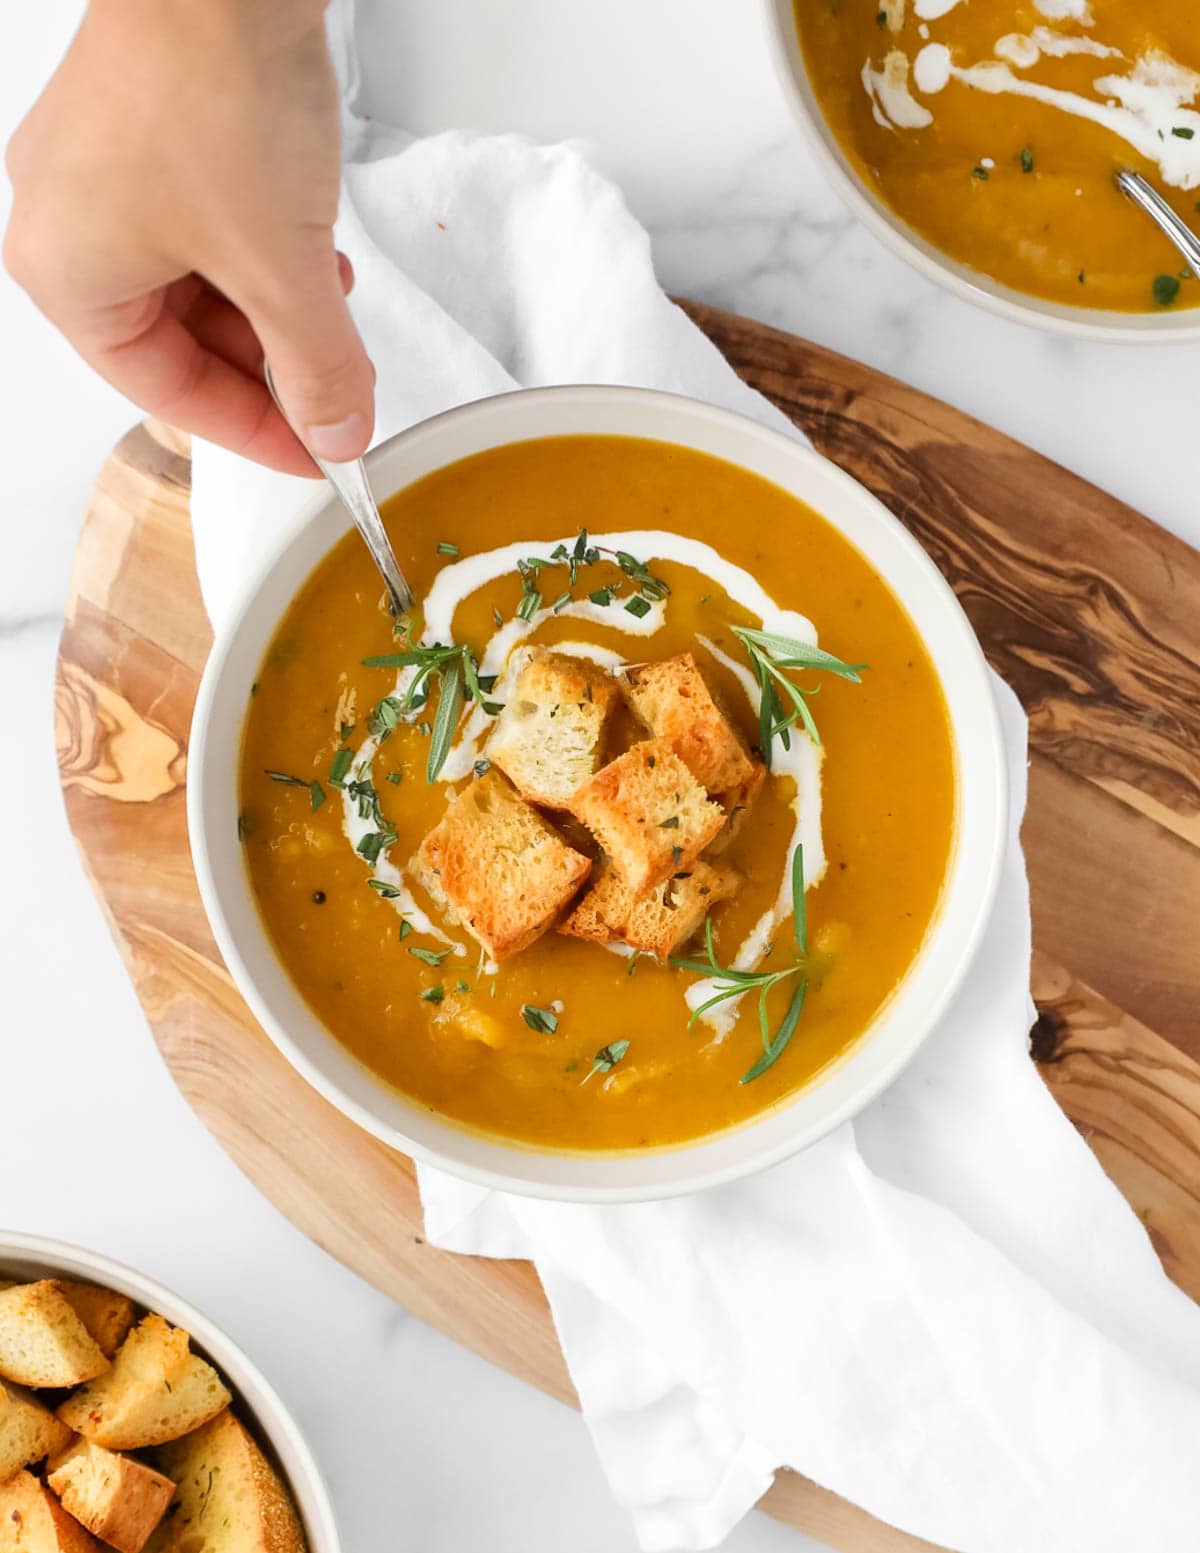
(216, 325)
(165, 369)
(321, 370)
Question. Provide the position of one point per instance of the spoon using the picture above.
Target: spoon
(354, 492)
(1146, 197)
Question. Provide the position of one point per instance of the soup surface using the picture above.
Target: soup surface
(994, 127)
(568, 1044)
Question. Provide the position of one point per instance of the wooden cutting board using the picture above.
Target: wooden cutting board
(1090, 611)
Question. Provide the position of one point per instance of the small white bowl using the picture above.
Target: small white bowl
(1085, 323)
(900, 1028)
(28, 1257)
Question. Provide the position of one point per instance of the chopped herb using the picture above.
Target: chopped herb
(1026, 160)
(672, 823)
(254, 688)
(979, 172)
(385, 717)
(424, 729)
(638, 606)
(373, 843)
(395, 777)
(481, 767)
(676, 854)
(561, 602)
(529, 605)
(450, 703)
(602, 596)
(462, 986)
(543, 1020)
(734, 983)
(607, 1058)
(316, 794)
(433, 994)
(339, 766)
(288, 781)
(769, 656)
(345, 730)
(388, 891)
(243, 827)
(405, 928)
(881, 18)
(1082, 277)
(649, 585)
(446, 548)
(633, 962)
(497, 617)
(429, 956)
(1181, 132)
(1166, 289)
(704, 598)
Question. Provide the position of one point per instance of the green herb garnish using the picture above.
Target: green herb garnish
(638, 606)
(529, 605)
(1181, 132)
(405, 928)
(288, 781)
(388, 891)
(734, 983)
(433, 994)
(1026, 160)
(769, 656)
(606, 1059)
(980, 173)
(1166, 289)
(395, 777)
(430, 956)
(316, 794)
(543, 1020)
(373, 843)
(339, 766)
(445, 547)
(456, 670)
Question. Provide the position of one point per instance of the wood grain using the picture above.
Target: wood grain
(1104, 656)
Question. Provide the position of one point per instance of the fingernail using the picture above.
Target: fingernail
(340, 440)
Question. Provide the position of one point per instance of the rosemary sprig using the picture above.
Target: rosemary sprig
(606, 1059)
(734, 983)
(457, 673)
(769, 656)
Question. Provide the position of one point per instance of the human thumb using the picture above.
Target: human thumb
(321, 371)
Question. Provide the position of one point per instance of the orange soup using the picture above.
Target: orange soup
(994, 128)
(611, 552)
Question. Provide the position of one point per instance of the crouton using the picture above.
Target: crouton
(649, 814)
(28, 1431)
(737, 802)
(33, 1521)
(118, 1499)
(107, 1316)
(229, 1499)
(672, 699)
(494, 865)
(655, 923)
(550, 736)
(156, 1390)
(42, 1341)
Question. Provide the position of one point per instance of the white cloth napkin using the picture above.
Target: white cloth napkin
(944, 1311)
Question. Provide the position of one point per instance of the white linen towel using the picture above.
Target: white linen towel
(944, 1312)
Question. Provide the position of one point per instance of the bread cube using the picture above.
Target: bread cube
(228, 1499)
(655, 923)
(42, 1341)
(156, 1390)
(737, 803)
(674, 702)
(118, 1499)
(649, 814)
(28, 1431)
(107, 1315)
(493, 864)
(33, 1521)
(550, 736)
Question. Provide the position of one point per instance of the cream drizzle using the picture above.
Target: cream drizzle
(506, 651)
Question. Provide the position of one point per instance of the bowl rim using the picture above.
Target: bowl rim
(249, 1385)
(602, 1178)
(1096, 324)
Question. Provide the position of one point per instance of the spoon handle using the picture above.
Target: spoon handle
(350, 482)
(354, 491)
(1147, 198)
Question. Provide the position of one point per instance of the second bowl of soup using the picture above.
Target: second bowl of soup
(656, 840)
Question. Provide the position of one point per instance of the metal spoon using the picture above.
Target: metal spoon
(354, 491)
(1146, 197)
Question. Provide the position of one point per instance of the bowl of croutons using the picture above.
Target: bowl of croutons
(129, 1421)
(649, 846)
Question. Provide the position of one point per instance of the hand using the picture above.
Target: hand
(175, 189)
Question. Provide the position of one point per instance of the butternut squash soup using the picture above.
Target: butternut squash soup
(995, 127)
(601, 851)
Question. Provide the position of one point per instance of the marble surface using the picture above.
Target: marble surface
(677, 101)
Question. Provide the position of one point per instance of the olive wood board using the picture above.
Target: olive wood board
(1090, 611)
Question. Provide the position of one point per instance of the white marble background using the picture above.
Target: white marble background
(424, 1445)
